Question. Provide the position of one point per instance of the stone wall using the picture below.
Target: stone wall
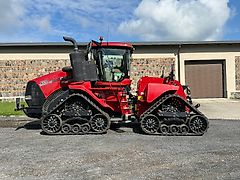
(15, 73)
(237, 72)
(149, 67)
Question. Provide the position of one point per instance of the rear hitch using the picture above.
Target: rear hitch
(197, 105)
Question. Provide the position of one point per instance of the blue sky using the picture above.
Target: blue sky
(119, 20)
(232, 27)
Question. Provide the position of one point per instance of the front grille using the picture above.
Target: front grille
(36, 96)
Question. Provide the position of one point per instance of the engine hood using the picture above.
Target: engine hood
(50, 82)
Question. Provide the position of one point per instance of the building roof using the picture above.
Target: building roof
(153, 43)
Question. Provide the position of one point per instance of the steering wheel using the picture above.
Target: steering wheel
(117, 74)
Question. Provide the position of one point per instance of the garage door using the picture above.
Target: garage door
(205, 78)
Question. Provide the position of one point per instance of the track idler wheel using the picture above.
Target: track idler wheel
(85, 128)
(198, 124)
(66, 128)
(173, 129)
(76, 128)
(164, 129)
(51, 124)
(99, 123)
(184, 129)
(150, 124)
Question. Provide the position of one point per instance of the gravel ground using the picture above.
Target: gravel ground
(26, 154)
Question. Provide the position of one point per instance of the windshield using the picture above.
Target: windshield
(115, 64)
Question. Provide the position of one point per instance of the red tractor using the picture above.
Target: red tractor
(94, 92)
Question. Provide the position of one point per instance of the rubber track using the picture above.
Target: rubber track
(161, 101)
(88, 100)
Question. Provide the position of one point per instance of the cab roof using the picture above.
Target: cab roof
(115, 44)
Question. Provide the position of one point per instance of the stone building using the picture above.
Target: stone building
(211, 69)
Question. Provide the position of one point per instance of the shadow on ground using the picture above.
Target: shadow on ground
(30, 125)
(36, 125)
(118, 128)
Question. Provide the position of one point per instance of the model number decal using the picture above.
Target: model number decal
(45, 82)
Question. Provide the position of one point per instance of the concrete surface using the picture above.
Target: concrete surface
(26, 154)
(14, 121)
(220, 108)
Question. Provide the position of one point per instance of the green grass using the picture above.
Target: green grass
(7, 109)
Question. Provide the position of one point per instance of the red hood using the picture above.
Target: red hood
(50, 82)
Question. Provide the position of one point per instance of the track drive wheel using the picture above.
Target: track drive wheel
(51, 124)
(198, 124)
(150, 124)
(173, 104)
(99, 123)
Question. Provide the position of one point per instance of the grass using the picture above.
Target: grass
(7, 109)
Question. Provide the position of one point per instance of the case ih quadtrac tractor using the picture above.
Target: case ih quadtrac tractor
(92, 93)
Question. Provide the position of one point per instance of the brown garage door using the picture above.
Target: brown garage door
(205, 78)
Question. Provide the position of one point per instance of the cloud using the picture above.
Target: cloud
(10, 13)
(47, 20)
(34, 20)
(17, 22)
(178, 20)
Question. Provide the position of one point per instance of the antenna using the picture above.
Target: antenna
(107, 33)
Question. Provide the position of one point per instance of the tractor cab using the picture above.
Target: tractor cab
(112, 60)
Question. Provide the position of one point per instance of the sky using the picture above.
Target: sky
(119, 20)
